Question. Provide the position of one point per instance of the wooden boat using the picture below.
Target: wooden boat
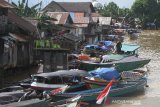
(126, 75)
(134, 33)
(28, 103)
(9, 97)
(69, 102)
(120, 62)
(11, 89)
(91, 95)
(54, 80)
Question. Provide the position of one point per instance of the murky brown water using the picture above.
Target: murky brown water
(150, 97)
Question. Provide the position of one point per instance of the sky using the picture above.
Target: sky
(120, 3)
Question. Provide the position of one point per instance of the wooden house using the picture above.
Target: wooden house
(63, 20)
(17, 42)
(80, 13)
(23, 32)
(104, 26)
(4, 6)
(53, 59)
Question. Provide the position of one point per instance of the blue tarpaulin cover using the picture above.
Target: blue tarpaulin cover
(91, 46)
(107, 43)
(105, 73)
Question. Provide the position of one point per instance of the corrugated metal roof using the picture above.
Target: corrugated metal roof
(16, 37)
(96, 15)
(81, 25)
(103, 20)
(78, 14)
(31, 20)
(71, 6)
(61, 17)
(95, 19)
(20, 22)
(76, 6)
(81, 20)
(72, 37)
(19, 38)
(5, 4)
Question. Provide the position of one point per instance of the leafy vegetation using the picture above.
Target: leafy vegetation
(44, 21)
(22, 8)
(145, 10)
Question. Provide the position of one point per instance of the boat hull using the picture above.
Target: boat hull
(91, 95)
(120, 66)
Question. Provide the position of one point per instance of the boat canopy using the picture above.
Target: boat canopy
(61, 73)
(91, 46)
(129, 47)
(105, 73)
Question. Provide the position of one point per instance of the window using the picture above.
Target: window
(38, 79)
(55, 80)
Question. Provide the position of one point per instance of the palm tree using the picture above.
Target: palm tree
(22, 8)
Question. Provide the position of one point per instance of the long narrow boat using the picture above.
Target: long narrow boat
(58, 79)
(69, 102)
(125, 75)
(120, 62)
(91, 95)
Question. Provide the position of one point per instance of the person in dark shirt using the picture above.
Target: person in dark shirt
(118, 47)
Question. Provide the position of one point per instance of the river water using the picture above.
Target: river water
(150, 97)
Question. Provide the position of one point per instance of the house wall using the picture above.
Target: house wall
(3, 20)
(15, 54)
(55, 60)
(80, 31)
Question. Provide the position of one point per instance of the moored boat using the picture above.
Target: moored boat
(91, 95)
(9, 97)
(134, 33)
(120, 62)
(125, 75)
(69, 102)
(53, 80)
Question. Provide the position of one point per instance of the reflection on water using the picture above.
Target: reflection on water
(150, 48)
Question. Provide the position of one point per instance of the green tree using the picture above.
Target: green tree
(22, 8)
(146, 10)
(44, 21)
(111, 10)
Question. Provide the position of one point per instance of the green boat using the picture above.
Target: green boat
(90, 95)
(125, 75)
(69, 102)
(120, 62)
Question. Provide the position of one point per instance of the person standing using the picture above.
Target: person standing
(118, 47)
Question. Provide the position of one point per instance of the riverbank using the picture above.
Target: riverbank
(8, 77)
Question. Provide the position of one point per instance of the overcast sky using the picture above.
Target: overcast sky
(120, 3)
